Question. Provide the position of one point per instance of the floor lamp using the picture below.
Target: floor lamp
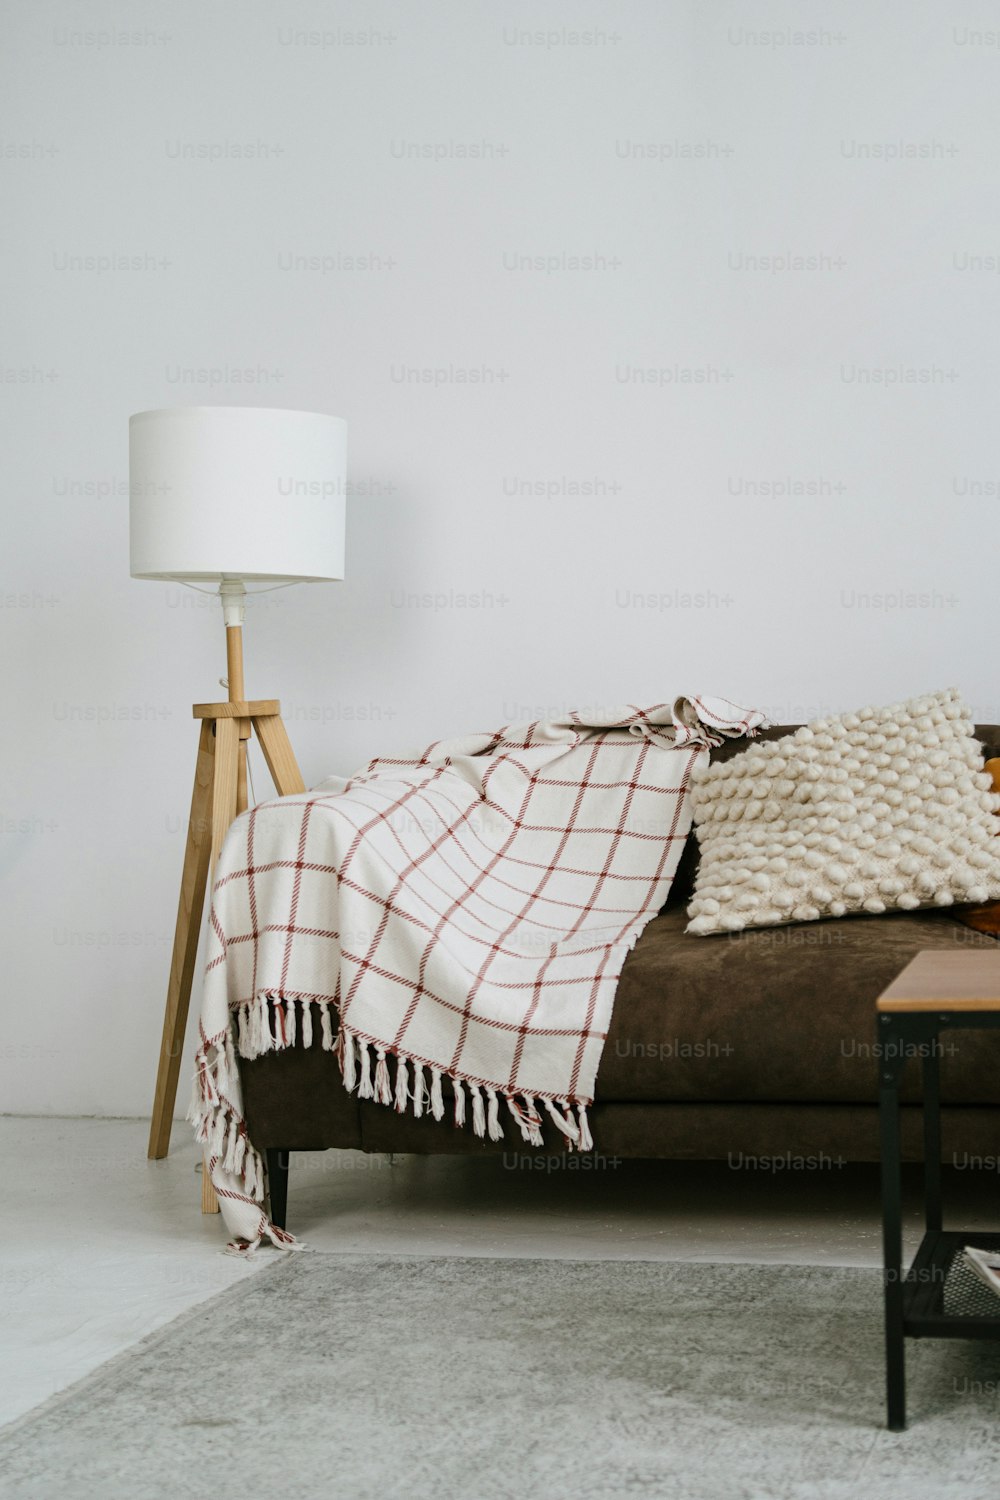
(230, 496)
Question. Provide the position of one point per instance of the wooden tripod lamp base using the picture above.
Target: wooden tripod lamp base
(220, 794)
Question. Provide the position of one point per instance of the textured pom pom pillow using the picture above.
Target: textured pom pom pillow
(880, 809)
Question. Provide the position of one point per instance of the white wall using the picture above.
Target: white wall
(108, 151)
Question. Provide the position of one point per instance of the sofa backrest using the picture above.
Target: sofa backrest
(680, 892)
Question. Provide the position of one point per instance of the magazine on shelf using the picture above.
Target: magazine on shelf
(986, 1264)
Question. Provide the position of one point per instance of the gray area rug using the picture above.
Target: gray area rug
(361, 1377)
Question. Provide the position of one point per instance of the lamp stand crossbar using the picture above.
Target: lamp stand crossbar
(220, 794)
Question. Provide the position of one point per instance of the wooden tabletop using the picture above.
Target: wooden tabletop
(941, 979)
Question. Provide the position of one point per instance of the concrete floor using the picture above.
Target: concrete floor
(102, 1246)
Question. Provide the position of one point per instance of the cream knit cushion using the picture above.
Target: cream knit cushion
(887, 807)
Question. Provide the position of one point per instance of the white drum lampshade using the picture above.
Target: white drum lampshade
(221, 493)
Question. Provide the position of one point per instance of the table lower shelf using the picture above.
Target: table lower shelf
(942, 1297)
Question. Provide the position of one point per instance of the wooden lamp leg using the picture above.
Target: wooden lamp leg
(186, 934)
(280, 756)
(224, 799)
(227, 750)
(209, 1198)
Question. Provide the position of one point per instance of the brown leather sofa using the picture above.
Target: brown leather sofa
(761, 1043)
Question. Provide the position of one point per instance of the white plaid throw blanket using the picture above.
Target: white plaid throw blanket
(459, 915)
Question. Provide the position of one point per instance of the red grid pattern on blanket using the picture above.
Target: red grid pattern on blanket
(465, 914)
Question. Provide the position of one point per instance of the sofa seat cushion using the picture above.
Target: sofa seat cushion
(778, 1014)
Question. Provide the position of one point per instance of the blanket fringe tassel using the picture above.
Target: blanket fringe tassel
(269, 1023)
(383, 1092)
(220, 1129)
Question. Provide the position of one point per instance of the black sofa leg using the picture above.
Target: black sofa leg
(277, 1184)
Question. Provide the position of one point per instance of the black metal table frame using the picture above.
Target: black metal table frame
(914, 1299)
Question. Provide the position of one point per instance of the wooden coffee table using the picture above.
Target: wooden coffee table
(938, 1297)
